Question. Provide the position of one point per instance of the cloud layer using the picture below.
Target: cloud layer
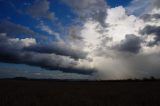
(52, 57)
(108, 42)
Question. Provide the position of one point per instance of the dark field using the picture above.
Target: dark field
(80, 93)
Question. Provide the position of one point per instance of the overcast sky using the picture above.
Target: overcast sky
(80, 39)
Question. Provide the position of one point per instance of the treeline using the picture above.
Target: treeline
(152, 78)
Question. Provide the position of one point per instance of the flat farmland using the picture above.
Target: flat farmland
(79, 93)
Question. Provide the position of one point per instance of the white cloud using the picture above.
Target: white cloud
(90, 35)
(50, 31)
(113, 64)
(23, 42)
(122, 24)
(28, 41)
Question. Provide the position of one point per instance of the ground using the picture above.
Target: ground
(79, 93)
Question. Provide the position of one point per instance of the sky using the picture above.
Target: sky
(80, 39)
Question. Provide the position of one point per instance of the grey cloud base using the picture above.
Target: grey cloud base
(152, 30)
(58, 49)
(130, 44)
(13, 50)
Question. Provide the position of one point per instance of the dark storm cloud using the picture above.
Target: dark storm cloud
(152, 30)
(40, 8)
(130, 44)
(93, 9)
(59, 49)
(13, 29)
(9, 50)
(50, 62)
(12, 52)
(149, 17)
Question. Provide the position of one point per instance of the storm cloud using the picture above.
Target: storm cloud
(59, 49)
(152, 30)
(130, 44)
(150, 17)
(56, 58)
(89, 9)
(84, 37)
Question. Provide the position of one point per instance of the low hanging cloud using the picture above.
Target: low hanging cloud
(59, 49)
(12, 52)
(53, 56)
